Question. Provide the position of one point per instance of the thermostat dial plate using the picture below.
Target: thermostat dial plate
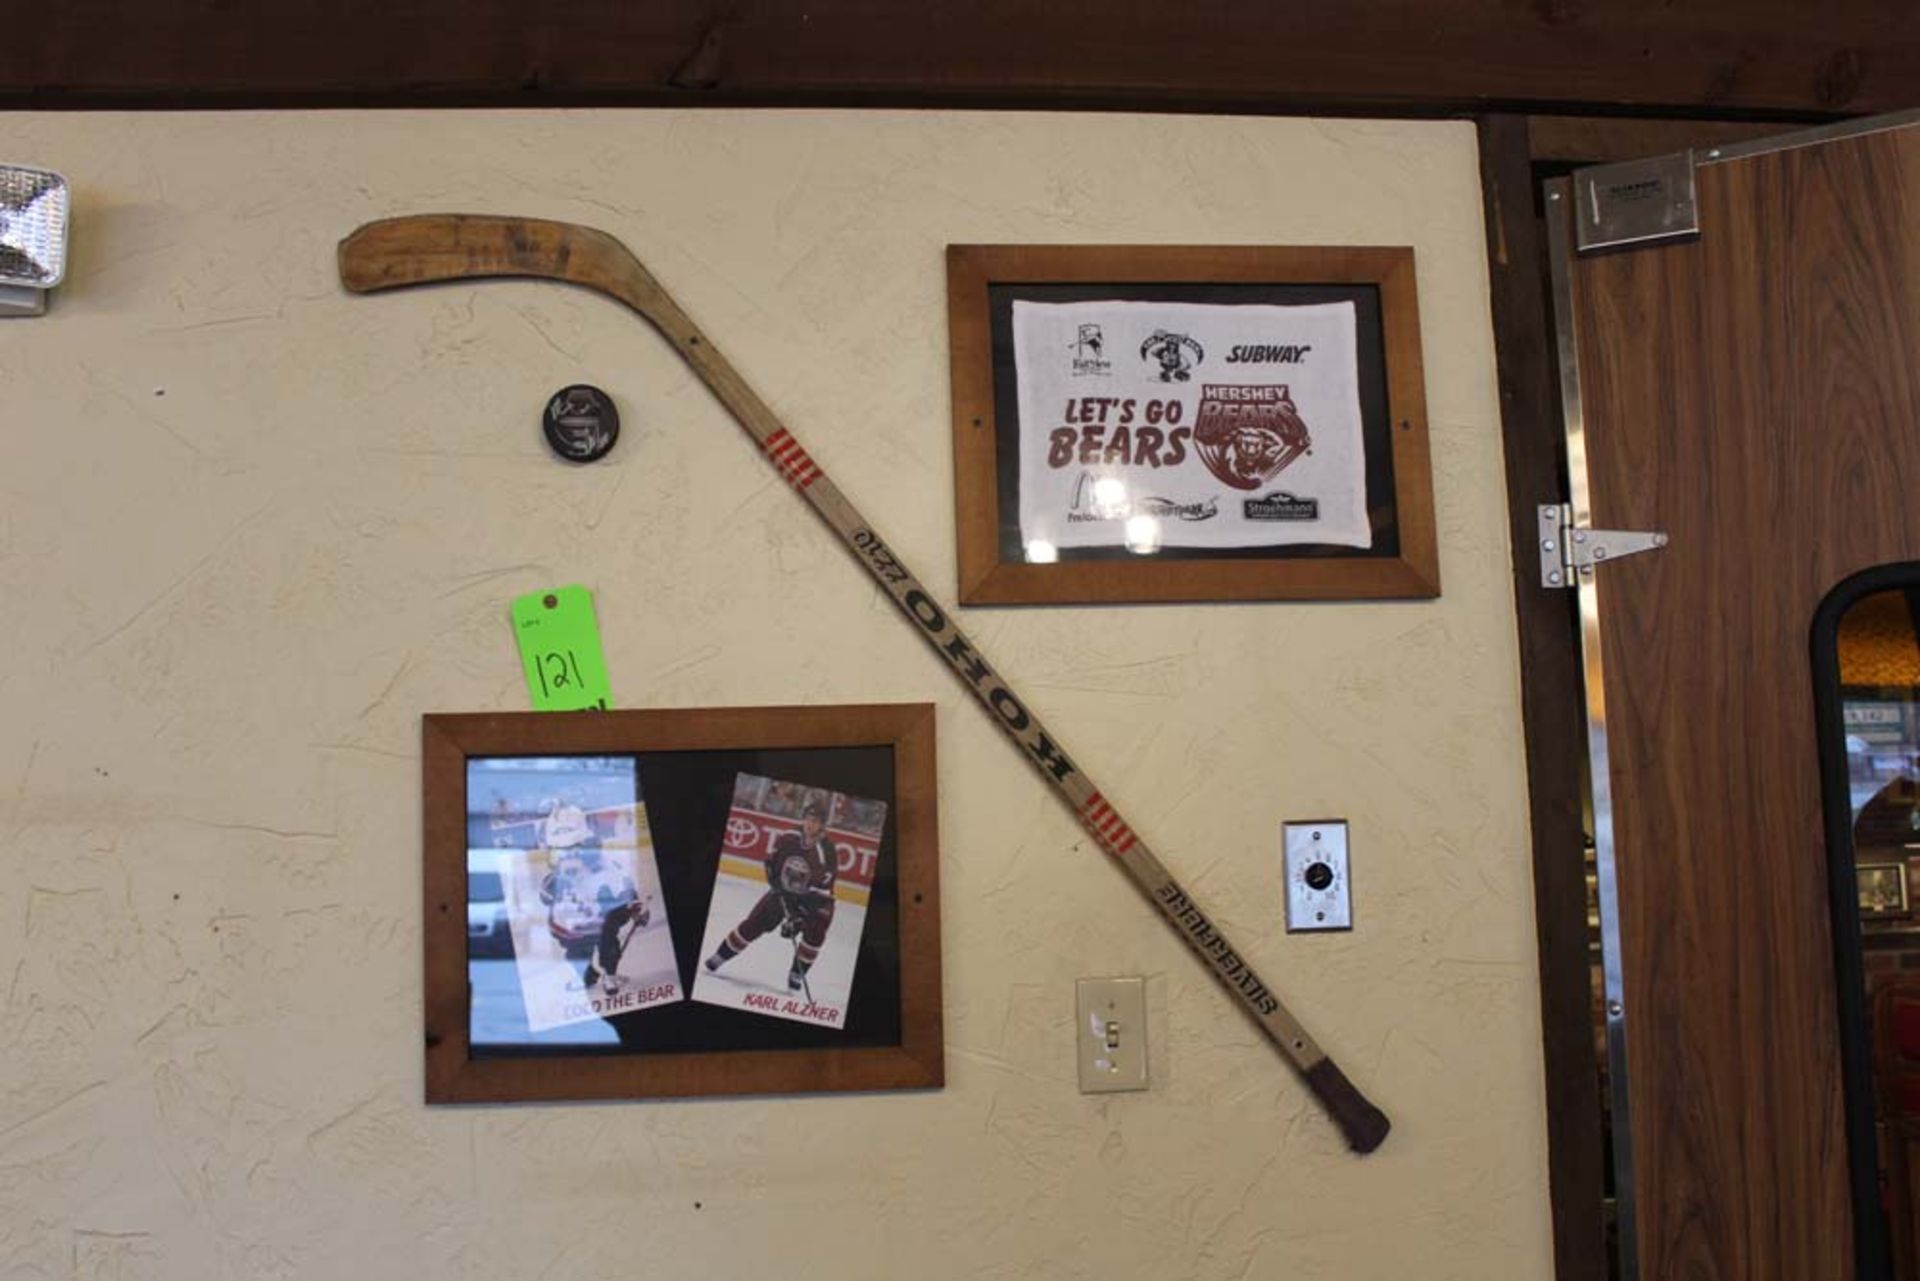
(1319, 895)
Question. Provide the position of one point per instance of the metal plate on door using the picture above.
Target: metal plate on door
(1638, 202)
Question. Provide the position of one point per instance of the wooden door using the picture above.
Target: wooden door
(1754, 393)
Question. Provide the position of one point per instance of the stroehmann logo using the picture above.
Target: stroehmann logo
(1280, 505)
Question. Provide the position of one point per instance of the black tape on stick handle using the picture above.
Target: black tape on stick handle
(1364, 1125)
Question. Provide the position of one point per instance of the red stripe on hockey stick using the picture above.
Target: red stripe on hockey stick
(800, 470)
(803, 471)
(1106, 827)
(793, 461)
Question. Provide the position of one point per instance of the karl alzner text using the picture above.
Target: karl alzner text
(1207, 941)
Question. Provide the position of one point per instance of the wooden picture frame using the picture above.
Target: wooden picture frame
(1882, 889)
(981, 282)
(685, 1049)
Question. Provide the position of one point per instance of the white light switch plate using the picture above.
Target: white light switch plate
(1319, 891)
(1110, 1040)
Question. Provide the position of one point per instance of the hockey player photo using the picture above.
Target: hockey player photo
(789, 901)
(581, 890)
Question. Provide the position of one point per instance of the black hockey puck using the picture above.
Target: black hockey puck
(581, 423)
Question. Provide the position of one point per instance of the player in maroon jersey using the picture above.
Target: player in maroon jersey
(800, 876)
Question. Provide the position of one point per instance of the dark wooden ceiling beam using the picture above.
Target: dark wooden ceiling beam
(1413, 56)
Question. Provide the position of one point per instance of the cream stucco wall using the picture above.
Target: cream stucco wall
(251, 528)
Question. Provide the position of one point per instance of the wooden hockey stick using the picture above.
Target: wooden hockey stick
(444, 247)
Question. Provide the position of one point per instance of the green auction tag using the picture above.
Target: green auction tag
(560, 648)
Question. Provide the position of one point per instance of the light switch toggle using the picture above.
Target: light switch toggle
(1112, 1043)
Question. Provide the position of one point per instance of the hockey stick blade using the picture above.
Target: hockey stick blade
(441, 247)
(445, 247)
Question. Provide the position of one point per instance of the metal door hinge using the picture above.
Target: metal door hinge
(1568, 555)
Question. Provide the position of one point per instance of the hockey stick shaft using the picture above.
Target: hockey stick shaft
(443, 247)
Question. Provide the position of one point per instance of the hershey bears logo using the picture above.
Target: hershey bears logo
(1247, 435)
